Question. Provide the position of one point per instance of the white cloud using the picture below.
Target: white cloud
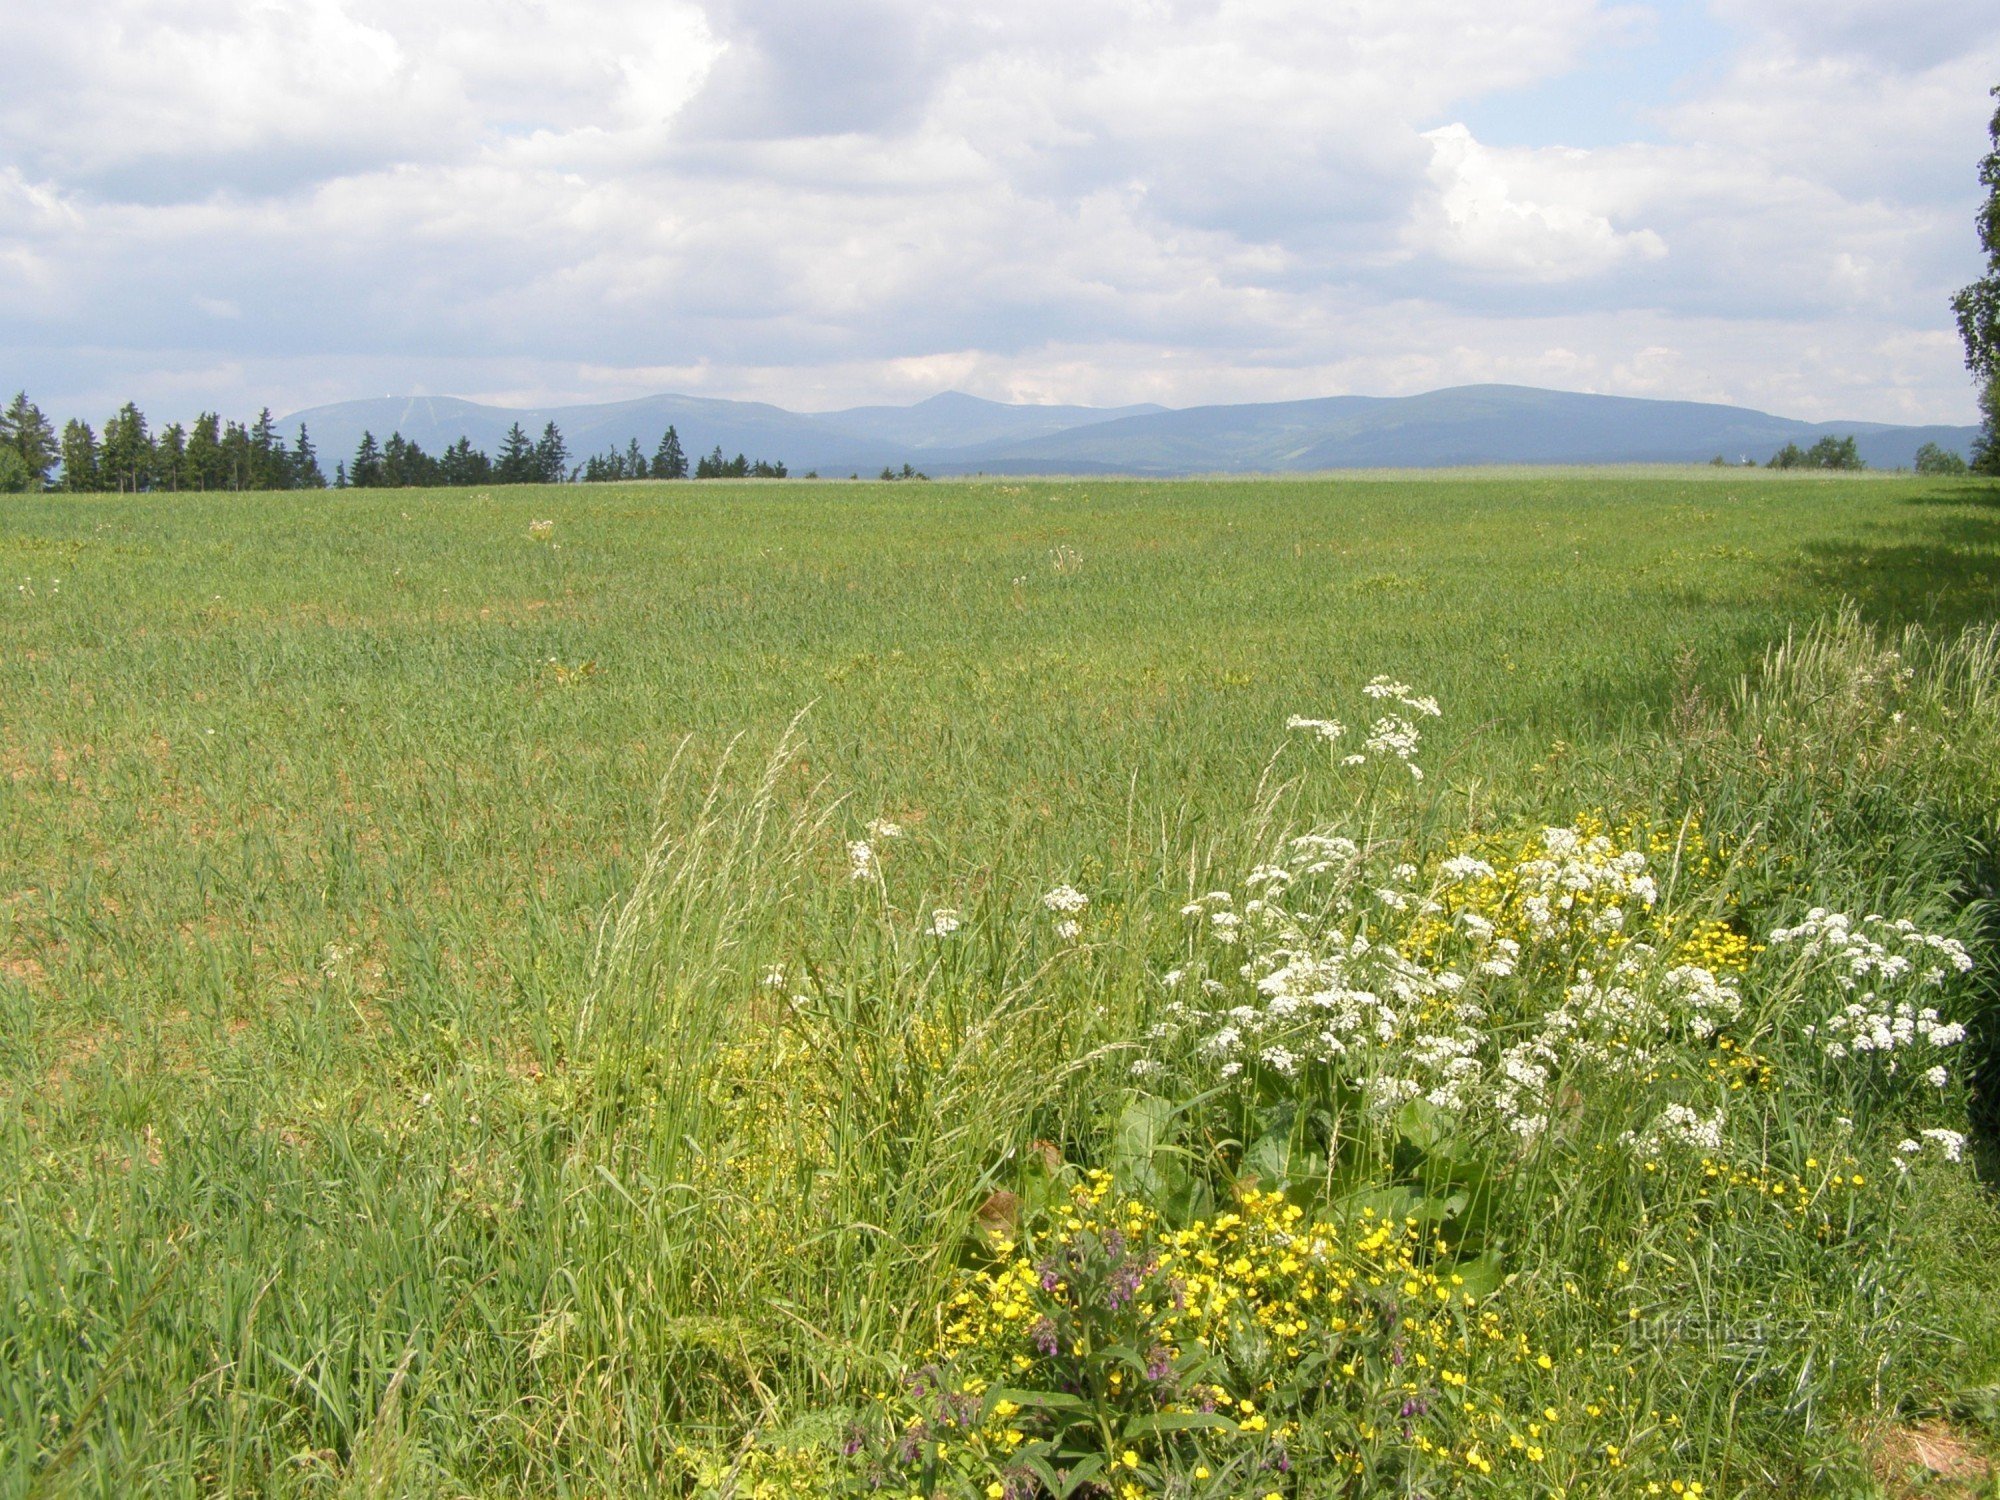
(1533, 214)
(1178, 200)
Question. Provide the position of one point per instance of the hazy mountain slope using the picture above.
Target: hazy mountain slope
(1464, 425)
(955, 433)
(955, 420)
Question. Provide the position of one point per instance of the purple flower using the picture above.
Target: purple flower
(1043, 1336)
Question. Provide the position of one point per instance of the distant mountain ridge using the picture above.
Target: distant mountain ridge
(954, 433)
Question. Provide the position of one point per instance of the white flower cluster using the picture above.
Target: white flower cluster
(1065, 902)
(1592, 875)
(1610, 1020)
(1875, 949)
(1950, 1144)
(1327, 729)
(944, 922)
(1393, 734)
(1679, 1125)
(860, 859)
(1888, 956)
(1305, 969)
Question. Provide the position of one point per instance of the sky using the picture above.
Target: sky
(234, 204)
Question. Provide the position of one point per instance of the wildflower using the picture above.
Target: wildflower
(944, 922)
(1065, 899)
(1327, 729)
(1949, 1141)
(860, 859)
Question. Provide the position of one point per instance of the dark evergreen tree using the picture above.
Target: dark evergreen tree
(635, 461)
(170, 457)
(306, 473)
(238, 468)
(551, 456)
(340, 474)
(365, 473)
(516, 464)
(204, 454)
(79, 458)
(462, 463)
(125, 456)
(30, 434)
(669, 462)
(270, 463)
(712, 466)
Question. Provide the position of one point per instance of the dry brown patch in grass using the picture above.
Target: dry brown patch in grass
(22, 968)
(1927, 1458)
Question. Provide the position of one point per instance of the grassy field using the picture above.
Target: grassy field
(394, 1102)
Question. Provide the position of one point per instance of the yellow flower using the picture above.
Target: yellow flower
(1129, 1459)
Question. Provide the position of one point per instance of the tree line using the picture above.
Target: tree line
(129, 457)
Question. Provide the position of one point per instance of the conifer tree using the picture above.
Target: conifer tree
(365, 473)
(635, 461)
(236, 457)
(30, 434)
(516, 464)
(79, 457)
(669, 462)
(204, 453)
(551, 456)
(270, 464)
(170, 457)
(306, 473)
(125, 455)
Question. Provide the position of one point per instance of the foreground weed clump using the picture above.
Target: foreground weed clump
(1242, 1354)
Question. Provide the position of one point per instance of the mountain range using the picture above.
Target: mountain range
(955, 433)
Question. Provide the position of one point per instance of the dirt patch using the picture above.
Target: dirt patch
(1927, 1458)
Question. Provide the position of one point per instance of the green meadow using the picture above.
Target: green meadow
(449, 1043)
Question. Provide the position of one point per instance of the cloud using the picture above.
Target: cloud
(1178, 200)
(1532, 214)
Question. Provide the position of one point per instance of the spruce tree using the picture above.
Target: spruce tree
(79, 458)
(170, 457)
(32, 436)
(204, 453)
(125, 455)
(306, 473)
(268, 459)
(365, 473)
(669, 462)
(551, 456)
(516, 464)
(236, 458)
(635, 461)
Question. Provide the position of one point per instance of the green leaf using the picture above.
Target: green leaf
(1086, 1469)
(1141, 1155)
(1041, 1400)
(1482, 1274)
(1179, 1421)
